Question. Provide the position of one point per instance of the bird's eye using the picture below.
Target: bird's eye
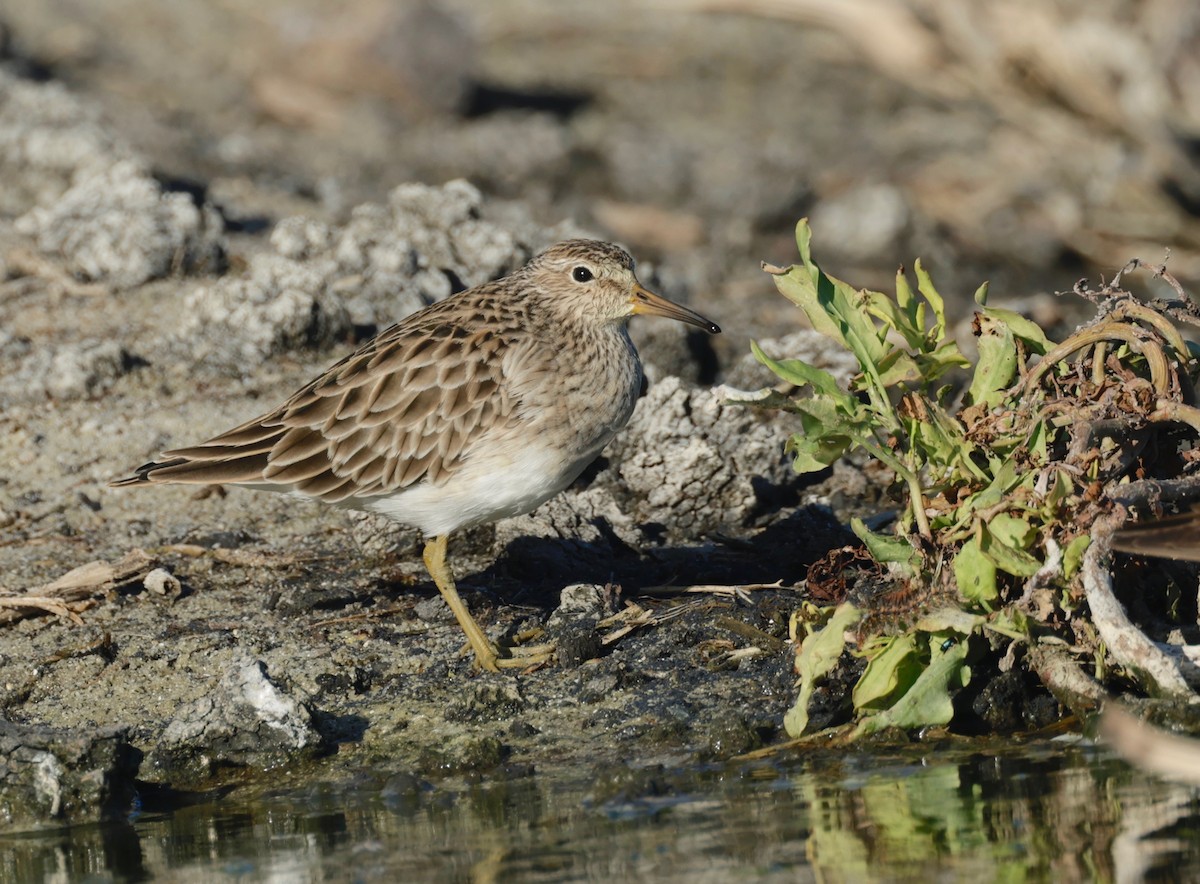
(582, 274)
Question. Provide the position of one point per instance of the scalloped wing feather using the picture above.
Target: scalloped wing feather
(405, 408)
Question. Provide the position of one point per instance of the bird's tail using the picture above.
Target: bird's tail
(238, 457)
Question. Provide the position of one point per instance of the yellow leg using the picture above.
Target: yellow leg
(435, 562)
(486, 653)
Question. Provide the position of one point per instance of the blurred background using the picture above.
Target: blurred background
(1028, 142)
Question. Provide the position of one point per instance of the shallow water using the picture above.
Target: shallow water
(1049, 810)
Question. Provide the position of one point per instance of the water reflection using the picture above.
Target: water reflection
(1039, 811)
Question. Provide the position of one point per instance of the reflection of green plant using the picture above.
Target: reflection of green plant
(992, 500)
(1034, 812)
(913, 820)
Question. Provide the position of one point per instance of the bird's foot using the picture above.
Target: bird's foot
(518, 655)
(527, 657)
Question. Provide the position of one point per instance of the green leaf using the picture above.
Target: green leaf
(1011, 622)
(936, 362)
(904, 292)
(1023, 329)
(1005, 479)
(1037, 445)
(811, 454)
(1012, 530)
(943, 442)
(898, 367)
(891, 672)
(948, 619)
(1008, 558)
(800, 373)
(805, 286)
(930, 699)
(1058, 493)
(771, 399)
(925, 287)
(887, 547)
(975, 574)
(907, 319)
(818, 655)
(831, 426)
(804, 241)
(833, 414)
(838, 311)
(1073, 555)
(997, 365)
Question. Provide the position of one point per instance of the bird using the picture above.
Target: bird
(476, 408)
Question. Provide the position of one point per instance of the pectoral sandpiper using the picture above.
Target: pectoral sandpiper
(476, 408)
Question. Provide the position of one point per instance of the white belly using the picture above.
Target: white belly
(498, 485)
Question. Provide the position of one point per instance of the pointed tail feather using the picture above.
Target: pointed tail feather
(183, 470)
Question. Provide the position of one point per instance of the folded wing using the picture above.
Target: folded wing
(403, 409)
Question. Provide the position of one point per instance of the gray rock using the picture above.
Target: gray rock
(598, 688)
(697, 168)
(436, 207)
(299, 238)
(580, 601)
(641, 164)
(48, 141)
(444, 227)
(434, 610)
(86, 199)
(507, 152)
(160, 581)
(118, 226)
(577, 517)
(728, 734)
(69, 371)
(246, 721)
(79, 371)
(489, 701)
(386, 262)
(56, 776)
(430, 52)
(465, 753)
(863, 222)
(669, 349)
(281, 304)
(691, 462)
(573, 623)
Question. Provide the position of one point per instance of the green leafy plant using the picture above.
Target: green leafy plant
(993, 523)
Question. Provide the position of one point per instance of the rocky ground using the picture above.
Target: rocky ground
(201, 207)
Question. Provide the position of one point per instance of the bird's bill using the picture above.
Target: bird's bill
(646, 303)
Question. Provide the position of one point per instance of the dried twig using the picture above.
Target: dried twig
(752, 634)
(719, 589)
(27, 604)
(76, 590)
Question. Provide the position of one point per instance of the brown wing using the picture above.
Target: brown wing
(402, 408)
